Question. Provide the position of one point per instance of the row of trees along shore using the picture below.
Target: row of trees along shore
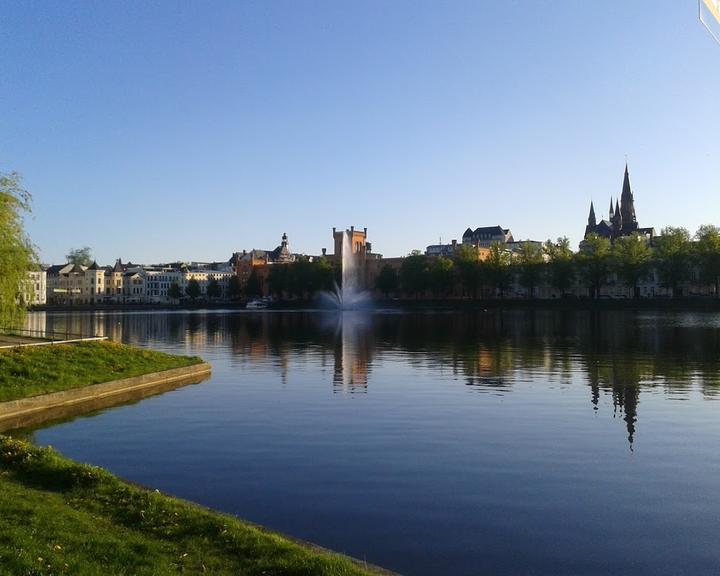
(675, 256)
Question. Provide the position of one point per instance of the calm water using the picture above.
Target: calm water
(446, 443)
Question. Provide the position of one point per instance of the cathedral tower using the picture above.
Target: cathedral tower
(627, 203)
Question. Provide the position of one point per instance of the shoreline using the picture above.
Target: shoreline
(57, 488)
(407, 304)
(36, 410)
(98, 506)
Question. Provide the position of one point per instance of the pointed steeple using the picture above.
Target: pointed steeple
(610, 213)
(628, 205)
(591, 217)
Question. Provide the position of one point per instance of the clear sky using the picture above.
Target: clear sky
(158, 131)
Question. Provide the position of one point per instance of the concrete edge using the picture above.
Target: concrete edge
(25, 408)
(53, 342)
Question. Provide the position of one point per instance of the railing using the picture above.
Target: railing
(49, 335)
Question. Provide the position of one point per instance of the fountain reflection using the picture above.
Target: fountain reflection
(353, 345)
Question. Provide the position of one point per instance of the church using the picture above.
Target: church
(621, 218)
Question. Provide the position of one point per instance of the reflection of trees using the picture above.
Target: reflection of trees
(618, 354)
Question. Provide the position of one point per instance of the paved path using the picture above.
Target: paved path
(12, 341)
(8, 341)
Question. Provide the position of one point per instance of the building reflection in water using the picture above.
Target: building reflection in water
(618, 354)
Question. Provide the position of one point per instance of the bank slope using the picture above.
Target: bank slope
(61, 517)
(35, 370)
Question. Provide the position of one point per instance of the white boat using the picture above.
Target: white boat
(256, 305)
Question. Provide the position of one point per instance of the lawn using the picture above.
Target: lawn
(33, 370)
(61, 517)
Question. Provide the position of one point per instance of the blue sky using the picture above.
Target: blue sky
(187, 130)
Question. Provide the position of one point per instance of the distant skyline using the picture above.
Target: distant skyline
(177, 130)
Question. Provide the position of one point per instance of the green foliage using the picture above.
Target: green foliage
(441, 275)
(253, 287)
(213, 289)
(708, 253)
(594, 262)
(414, 273)
(497, 266)
(631, 257)
(61, 517)
(302, 278)
(234, 288)
(561, 264)
(324, 272)
(387, 280)
(174, 291)
(17, 255)
(672, 257)
(193, 289)
(529, 261)
(469, 270)
(82, 256)
(32, 370)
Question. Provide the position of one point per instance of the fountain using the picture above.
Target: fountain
(349, 295)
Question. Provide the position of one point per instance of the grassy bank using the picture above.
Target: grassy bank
(34, 370)
(60, 517)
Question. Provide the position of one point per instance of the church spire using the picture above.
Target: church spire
(610, 212)
(591, 217)
(592, 222)
(629, 220)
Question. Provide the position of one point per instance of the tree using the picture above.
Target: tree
(80, 256)
(530, 262)
(413, 273)
(253, 288)
(301, 277)
(193, 289)
(497, 265)
(561, 264)
(213, 289)
(631, 258)
(323, 274)
(708, 252)
(672, 257)
(387, 280)
(468, 267)
(441, 275)
(174, 291)
(594, 260)
(234, 288)
(17, 255)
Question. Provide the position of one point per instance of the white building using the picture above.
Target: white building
(35, 290)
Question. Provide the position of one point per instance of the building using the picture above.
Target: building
(359, 246)
(621, 220)
(35, 289)
(66, 284)
(446, 250)
(244, 263)
(484, 237)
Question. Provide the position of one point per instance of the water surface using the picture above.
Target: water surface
(522, 442)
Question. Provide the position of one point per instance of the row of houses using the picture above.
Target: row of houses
(128, 283)
(68, 284)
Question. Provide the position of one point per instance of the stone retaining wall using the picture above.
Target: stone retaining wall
(57, 405)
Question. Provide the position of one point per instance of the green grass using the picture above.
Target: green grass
(61, 517)
(34, 370)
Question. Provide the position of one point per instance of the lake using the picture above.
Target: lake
(473, 442)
